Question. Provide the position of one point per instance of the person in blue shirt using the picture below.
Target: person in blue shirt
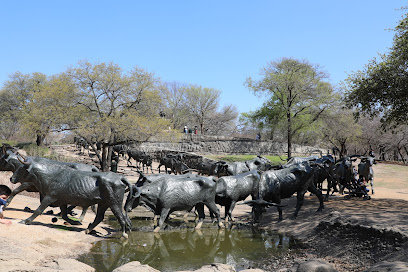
(5, 192)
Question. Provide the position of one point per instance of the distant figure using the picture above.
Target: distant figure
(185, 129)
(195, 130)
(258, 136)
(5, 192)
(355, 173)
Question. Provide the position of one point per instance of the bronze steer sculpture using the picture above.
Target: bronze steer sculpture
(168, 193)
(365, 169)
(212, 168)
(62, 186)
(167, 162)
(175, 163)
(296, 160)
(232, 169)
(279, 184)
(343, 171)
(325, 172)
(10, 162)
(147, 162)
(137, 155)
(231, 189)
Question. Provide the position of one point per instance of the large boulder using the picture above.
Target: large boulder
(389, 266)
(315, 265)
(135, 267)
(62, 265)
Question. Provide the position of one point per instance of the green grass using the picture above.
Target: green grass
(236, 158)
(12, 143)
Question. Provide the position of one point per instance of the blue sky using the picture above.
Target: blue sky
(215, 44)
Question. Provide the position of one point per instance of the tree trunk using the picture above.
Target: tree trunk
(40, 139)
(105, 163)
(406, 150)
(402, 156)
(289, 118)
(343, 149)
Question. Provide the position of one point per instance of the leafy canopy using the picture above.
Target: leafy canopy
(297, 94)
(112, 106)
(380, 89)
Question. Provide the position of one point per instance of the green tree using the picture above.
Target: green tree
(340, 130)
(113, 107)
(195, 105)
(15, 95)
(223, 122)
(100, 103)
(296, 93)
(48, 106)
(380, 89)
(202, 105)
(173, 94)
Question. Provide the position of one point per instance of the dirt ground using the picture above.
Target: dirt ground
(352, 234)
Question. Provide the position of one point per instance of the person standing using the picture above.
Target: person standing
(258, 136)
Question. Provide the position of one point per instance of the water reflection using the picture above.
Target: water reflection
(188, 249)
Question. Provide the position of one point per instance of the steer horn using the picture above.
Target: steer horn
(19, 154)
(24, 161)
(189, 170)
(261, 202)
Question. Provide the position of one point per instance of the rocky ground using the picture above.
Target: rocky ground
(352, 235)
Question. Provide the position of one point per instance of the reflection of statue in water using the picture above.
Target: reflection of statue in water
(181, 249)
(187, 249)
(112, 249)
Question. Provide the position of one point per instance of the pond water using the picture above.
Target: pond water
(181, 247)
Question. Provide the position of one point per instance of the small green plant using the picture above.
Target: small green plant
(33, 150)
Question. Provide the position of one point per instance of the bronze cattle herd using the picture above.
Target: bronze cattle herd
(67, 185)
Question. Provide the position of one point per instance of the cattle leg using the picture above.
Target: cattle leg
(330, 184)
(280, 218)
(342, 185)
(45, 202)
(372, 185)
(64, 215)
(124, 220)
(163, 216)
(201, 215)
(81, 217)
(214, 209)
(231, 208)
(100, 213)
(24, 186)
(227, 205)
(319, 195)
(299, 203)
